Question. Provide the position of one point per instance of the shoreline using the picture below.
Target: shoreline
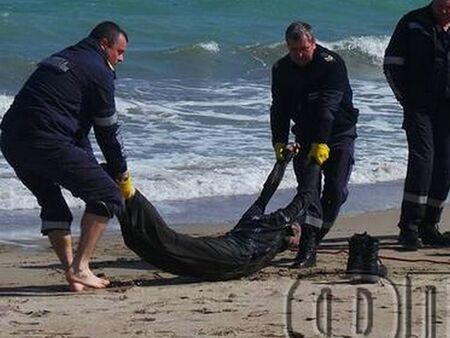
(21, 226)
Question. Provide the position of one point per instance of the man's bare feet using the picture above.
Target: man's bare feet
(76, 287)
(104, 281)
(79, 279)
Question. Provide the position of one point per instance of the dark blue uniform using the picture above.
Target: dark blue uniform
(45, 133)
(318, 99)
(417, 68)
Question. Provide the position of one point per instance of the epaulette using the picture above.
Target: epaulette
(327, 57)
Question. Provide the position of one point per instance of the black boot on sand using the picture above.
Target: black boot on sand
(306, 255)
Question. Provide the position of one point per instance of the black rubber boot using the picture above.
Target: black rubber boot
(322, 233)
(372, 270)
(356, 247)
(409, 239)
(307, 249)
(430, 235)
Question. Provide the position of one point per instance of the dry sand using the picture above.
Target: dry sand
(276, 302)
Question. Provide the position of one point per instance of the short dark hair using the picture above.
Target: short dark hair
(297, 30)
(108, 30)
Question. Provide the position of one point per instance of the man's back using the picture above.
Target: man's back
(57, 101)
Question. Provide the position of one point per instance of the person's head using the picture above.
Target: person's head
(112, 39)
(300, 42)
(441, 11)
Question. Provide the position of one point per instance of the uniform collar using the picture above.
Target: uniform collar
(91, 42)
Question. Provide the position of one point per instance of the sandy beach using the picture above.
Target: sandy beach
(276, 302)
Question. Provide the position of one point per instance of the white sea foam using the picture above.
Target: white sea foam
(5, 102)
(210, 46)
(372, 47)
(185, 142)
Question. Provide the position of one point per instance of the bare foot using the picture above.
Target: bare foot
(85, 278)
(104, 281)
(76, 287)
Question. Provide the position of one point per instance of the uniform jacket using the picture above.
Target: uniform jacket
(69, 93)
(317, 97)
(415, 62)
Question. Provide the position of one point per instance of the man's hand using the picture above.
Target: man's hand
(292, 148)
(279, 149)
(126, 185)
(319, 152)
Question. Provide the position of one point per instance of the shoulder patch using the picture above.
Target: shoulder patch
(327, 57)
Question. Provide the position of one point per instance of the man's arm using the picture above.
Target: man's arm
(107, 128)
(279, 114)
(328, 99)
(394, 61)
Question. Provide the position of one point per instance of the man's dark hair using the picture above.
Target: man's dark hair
(108, 30)
(297, 30)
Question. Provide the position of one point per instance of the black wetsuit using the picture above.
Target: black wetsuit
(248, 247)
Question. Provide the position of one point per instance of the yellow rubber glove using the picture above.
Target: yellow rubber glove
(319, 152)
(126, 185)
(279, 151)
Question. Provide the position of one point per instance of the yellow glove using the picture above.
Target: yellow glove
(126, 185)
(319, 152)
(279, 151)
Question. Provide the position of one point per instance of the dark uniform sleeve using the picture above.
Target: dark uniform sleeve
(279, 111)
(394, 60)
(106, 126)
(329, 97)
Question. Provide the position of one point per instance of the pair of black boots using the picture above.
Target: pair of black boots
(426, 234)
(363, 264)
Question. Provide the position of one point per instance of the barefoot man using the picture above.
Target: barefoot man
(45, 139)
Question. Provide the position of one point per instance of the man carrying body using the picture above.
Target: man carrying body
(417, 68)
(310, 86)
(45, 139)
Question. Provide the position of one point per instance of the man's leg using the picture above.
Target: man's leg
(56, 219)
(61, 241)
(440, 185)
(337, 171)
(84, 178)
(55, 214)
(92, 227)
(419, 134)
(306, 256)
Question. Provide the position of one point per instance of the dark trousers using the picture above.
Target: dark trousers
(428, 174)
(45, 170)
(326, 203)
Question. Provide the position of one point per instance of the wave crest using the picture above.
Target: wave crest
(368, 48)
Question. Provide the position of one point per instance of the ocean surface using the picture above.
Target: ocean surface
(193, 95)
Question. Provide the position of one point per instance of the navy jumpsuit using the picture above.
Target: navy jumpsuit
(318, 99)
(416, 65)
(45, 134)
